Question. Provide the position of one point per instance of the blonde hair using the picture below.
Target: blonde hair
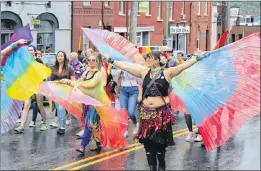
(98, 57)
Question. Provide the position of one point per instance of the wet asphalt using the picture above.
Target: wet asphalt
(46, 150)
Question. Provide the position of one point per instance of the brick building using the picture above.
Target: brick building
(89, 14)
(245, 26)
(189, 24)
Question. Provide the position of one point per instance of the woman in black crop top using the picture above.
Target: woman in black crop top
(155, 130)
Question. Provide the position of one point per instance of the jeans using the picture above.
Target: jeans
(61, 115)
(128, 100)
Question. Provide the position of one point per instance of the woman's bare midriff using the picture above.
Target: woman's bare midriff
(155, 102)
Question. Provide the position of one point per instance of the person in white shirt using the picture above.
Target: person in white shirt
(128, 91)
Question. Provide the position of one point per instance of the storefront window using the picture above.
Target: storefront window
(45, 35)
(179, 42)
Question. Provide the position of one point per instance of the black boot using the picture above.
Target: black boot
(152, 160)
(161, 159)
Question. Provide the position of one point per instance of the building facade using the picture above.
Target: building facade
(50, 22)
(189, 24)
(90, 14)
(244, 25)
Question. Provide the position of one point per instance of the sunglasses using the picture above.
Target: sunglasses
(91, 60)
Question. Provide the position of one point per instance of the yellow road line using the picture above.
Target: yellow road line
(115, 155)
(104, 154)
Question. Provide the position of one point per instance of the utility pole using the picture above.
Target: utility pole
(133, 21)
(226, 18)
(166, 20)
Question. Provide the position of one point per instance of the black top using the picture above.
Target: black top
(91, 76)
(160, 89)
(65, 75)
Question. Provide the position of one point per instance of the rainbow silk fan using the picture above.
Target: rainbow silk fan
(114, 45)
(22, 73)
(21, 78)
(222, 91)
(10, 110)
(113, 123)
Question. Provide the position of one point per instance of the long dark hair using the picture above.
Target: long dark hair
(65, 70)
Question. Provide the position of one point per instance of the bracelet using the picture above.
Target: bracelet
(14, 45)
(111, 61)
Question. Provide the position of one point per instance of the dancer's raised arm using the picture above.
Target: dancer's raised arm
(138, 72)
(12, 47)
(174, 71)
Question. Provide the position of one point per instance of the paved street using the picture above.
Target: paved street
(47, 150)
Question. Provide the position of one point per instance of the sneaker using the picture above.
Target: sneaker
(41, 121)
(19, 129)
(80, 134)
(43, 127)
(68, 122)
(126, 134)
(18, 121)
(61, 131)
(136, 128)
(198, 138)
(54, 125)
(32, 124)
(189, 137)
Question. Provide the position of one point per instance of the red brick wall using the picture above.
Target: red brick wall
(85, 16)
(199, 23)
(143, 20)
(89, 16)
(244, 30)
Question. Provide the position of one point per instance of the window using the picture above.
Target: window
(233, 38)
(7, 30)
(45, 35)
(122, 8)
(85, 41)
(198, 39)
(106, 3)
(171, 11)
(182, 7)
(87, 3)
(139, 40)
(240, 36)
(206, 8)
(198, 7)
(145, 38)
(149, 12)
(159, 11)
